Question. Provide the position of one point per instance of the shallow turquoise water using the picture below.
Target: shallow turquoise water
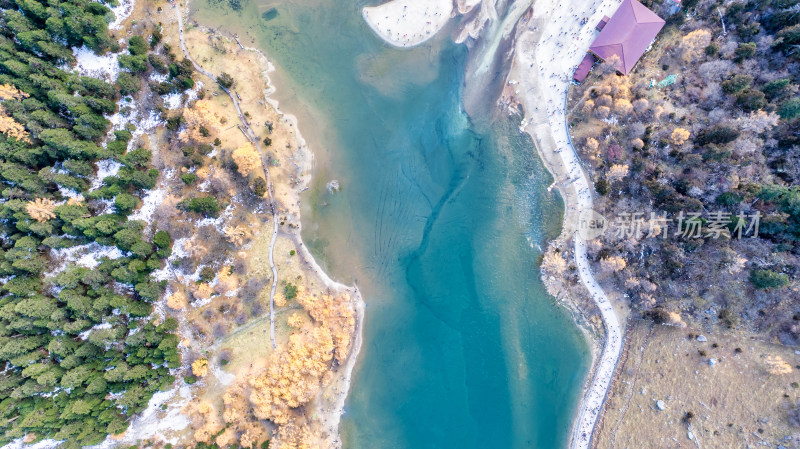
(439, 222)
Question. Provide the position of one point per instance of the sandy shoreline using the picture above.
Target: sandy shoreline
(406, 23)
(550, 44)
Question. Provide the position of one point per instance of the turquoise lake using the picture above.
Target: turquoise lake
(440, 221)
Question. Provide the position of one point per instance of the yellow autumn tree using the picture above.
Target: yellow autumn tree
(75, 201)
(226, 280)
(617, 172)
(294, 375)
(623, 107)
(279, 299)
(333, 312)
(205, 420)
(295, 436)
(588, 106)
(679, 136)
(11, 128)
(612, 264)
(693, 44)
(8, 125)
(200, 117)
(41, 209)
(553, 262)
(247, 159)
(200, 367)
(592, 144)
(9, 92)
(295, 320)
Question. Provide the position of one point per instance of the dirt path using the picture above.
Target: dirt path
(245, 127)
(549, 47)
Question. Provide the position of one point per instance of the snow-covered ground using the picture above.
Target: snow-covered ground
(88, 256)
(150, 203)
(121, 12)
(104, 67)
(44, 444)
(162, 415)
(105, 168)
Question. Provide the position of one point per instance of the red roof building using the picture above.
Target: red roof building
(627, 35)
(602, 24)
(584, 68)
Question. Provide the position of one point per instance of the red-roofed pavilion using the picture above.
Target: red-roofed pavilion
(627, 35)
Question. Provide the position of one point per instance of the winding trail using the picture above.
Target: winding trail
(550, 44)
(248, 132)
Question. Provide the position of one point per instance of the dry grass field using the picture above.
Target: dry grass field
(729, 391)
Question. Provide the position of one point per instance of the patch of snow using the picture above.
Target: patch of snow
(149, 204)
(68, 193)
(201, 302)
(108, 207)
(44, 444)
(204, 186)
(162, 274)
(105, 168)
(162, 415)
(150, 123)
(85, 334)
(88, 256)
(121, 12)
(191, 94)
(158, 77)
(172, 101)
(207, 222)
(219, 222)
(118, 121)
(178, 251)
(89, 64)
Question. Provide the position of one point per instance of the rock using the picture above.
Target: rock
(660, 405)
(333, 186)
(702, 338)
(690, 435)
(712, 362)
